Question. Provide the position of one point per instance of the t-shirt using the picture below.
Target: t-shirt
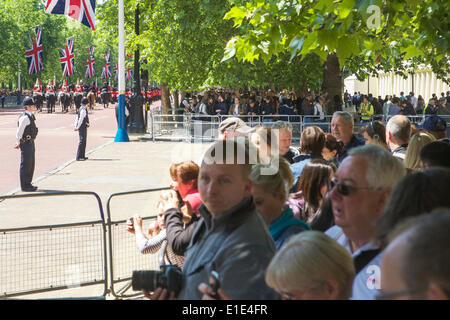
(366, 285)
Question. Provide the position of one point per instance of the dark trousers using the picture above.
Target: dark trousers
(26, 163)
(82, 132)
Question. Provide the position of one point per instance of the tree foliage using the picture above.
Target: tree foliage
(17, 20)
(182, 44)
(366, 35)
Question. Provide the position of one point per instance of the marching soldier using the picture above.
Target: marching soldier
(26, 133)
(81, 124)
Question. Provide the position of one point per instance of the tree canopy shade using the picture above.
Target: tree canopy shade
(365, 35)
(182, 44)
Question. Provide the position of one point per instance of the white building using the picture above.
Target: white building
(423, 82)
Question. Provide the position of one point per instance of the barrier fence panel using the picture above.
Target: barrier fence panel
(200, 128)
(46, 258)
(124, 256)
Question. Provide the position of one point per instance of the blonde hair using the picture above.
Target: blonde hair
(417, 142)
(280, 182)
(309, 259)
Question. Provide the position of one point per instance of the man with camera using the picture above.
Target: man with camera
(231, 240)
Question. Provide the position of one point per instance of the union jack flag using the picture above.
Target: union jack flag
(129, 73)
(90, 68)
(91, 51)
(106, 71)
(116, 71)
(67, 58)
(34, 55)
(80, 10)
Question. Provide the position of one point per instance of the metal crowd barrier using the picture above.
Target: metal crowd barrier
(124, 256)
(196, 128)
(41, 259)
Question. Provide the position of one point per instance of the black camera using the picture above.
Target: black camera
(170, 277)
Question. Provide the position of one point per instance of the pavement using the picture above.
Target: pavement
(112, 167)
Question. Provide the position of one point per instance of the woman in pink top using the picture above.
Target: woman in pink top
(184, 176)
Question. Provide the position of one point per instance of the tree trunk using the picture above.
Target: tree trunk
(165, 100)
(332, 82)
(176, 101)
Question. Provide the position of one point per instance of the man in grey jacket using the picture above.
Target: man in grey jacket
(231, 237)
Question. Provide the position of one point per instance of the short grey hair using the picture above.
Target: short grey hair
(400, 128)
(345, 115)
(282, 125)
(427, 239)
(383, 169)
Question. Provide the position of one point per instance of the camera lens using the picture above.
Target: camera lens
(146, 280)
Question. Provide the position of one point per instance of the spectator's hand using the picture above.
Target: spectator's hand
(187, 211)
(169, 199)
(130, 226)
(134, 223)
(153, 228)
(208, 292)
(75, 129)
(159, 294)
(16, 146)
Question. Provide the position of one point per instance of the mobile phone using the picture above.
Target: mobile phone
(214, 282)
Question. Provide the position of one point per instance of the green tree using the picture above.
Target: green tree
(360, 36)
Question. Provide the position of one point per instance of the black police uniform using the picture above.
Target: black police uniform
(82, 132)
(27, 150)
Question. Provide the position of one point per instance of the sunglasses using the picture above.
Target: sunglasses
(344, 189)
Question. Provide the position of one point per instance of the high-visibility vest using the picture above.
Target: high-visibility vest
(367, 112)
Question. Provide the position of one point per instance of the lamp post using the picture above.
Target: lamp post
(136, 101)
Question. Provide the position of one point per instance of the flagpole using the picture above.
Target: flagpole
(19, 84)
(121, 135)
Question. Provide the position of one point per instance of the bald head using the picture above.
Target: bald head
(398, 130)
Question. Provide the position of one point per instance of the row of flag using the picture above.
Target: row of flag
(67, 58)
(84, 12)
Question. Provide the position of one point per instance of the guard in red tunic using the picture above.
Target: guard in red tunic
(78, 93)
(37, 95)
(50, 96)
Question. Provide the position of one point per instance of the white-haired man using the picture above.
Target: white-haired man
(398, 132)
(360, 188)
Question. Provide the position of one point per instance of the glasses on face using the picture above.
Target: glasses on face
(344, 189)
(409, 291)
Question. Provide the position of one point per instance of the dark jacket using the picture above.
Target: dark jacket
(179, 236)
(354, 142)
(238, 246)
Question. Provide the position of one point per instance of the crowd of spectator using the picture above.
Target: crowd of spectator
(287, 105)
(332, 219)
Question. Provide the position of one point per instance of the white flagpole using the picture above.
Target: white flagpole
(121, 135)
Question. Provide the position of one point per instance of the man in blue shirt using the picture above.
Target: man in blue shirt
(342, 130)
(394, 108)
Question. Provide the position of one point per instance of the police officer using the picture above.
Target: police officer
(26, 133)
(81, 124)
